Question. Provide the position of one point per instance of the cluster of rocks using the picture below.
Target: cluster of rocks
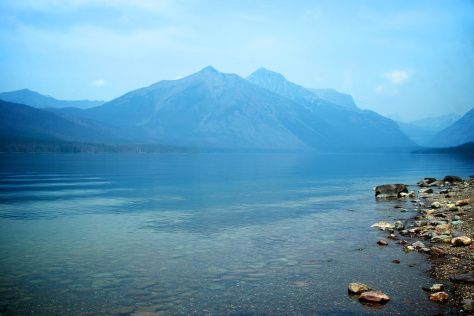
(440, 229)
(366, 294)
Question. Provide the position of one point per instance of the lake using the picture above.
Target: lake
(180, 234)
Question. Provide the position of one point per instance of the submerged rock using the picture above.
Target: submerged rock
(374, 297)
(357, 288)
(461, 241)
(382, 242)
(467, 277)
(439, 296)
(390, 190)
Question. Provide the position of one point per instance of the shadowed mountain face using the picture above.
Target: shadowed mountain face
(40, 101)
(22, 122)
(458, 133)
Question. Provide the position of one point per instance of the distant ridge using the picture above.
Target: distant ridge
(458, 133)
(37, 100)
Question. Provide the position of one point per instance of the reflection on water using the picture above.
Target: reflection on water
(205, 233)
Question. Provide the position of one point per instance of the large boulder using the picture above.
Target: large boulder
(452, 179)
(390, 190)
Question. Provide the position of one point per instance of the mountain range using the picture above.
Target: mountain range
(37, 100)
(210, 110)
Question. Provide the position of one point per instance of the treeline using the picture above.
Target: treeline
(76, 147)
(465, 149)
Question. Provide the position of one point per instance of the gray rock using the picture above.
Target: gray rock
(467, 277)
(390, 190)
(452, 179)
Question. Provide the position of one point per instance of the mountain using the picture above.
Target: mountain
(422, 131)
(336, 97)
(40, 101)
(19, 122)
(458, 133)
(208, 109)
(350, 127)
(437, 123)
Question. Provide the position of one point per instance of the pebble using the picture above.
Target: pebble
(435, 205)
(382, 242)
(396, 261)
(374, 297)
(357, 288)
(438, 287)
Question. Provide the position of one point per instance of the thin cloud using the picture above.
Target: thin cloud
(98, 83)
(397, 77)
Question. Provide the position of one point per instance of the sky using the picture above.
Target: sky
(406, 59)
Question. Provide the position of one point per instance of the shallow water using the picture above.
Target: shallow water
(239, 234)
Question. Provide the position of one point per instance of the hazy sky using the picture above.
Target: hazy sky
(410, 58)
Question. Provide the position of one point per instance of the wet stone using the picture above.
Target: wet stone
(357, 288)
(374, 297)
(439, 296)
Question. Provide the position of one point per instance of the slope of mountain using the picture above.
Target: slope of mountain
(458, 133)
(350, 128)
(22, 122)
(40, 101)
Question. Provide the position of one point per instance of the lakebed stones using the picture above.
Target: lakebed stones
(357, 288)
(467, 277)
(439, 296)
(461, 241)
(426, 182)
(387, 191)
(374, 297)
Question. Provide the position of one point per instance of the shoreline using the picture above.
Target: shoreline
(443, 229)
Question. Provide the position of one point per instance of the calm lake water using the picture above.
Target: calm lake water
(240, 234)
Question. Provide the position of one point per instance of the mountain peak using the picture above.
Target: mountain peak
(264, 73)
(208, 69)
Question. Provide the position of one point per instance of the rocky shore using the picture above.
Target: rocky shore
(442, 229)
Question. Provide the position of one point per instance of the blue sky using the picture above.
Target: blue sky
(413, 58)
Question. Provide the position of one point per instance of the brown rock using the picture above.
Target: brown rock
(463, 202)
(461, 241)
(357, 288)
(374, 297)
(382, 242)
(439, 296)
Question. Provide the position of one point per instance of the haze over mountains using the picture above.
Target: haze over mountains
(210, 110)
